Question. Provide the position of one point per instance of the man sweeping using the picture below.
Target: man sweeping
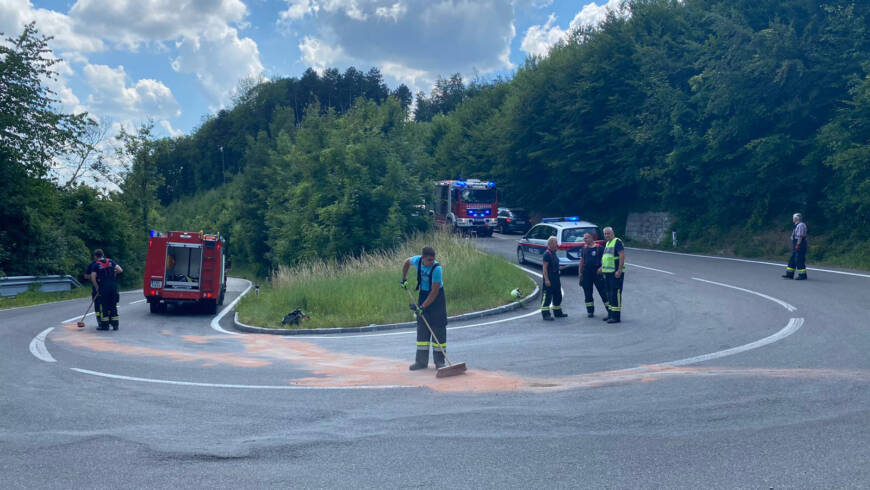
(102, 273)
(432, 304)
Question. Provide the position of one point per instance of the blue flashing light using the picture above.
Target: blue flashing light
(572, 218)
(461, 185)
(491, 185)
(550, 220)
(152, 233)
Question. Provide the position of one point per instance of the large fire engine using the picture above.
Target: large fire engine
(185, 267)
(466, 205)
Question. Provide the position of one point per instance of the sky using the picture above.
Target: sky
(174, 62)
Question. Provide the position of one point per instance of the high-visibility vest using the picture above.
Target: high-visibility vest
(608, 260)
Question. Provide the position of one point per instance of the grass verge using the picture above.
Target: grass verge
(34, 297)
(366, 290)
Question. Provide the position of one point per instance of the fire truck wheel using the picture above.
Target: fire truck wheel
(157, 307)
(210, 306)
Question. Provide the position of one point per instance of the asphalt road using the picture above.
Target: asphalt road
(721, 375)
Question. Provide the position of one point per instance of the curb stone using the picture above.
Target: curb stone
(390, 326)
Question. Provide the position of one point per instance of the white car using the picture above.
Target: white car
(569, 233)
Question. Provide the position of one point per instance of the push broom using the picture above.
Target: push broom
(81, 323)
(451, 369)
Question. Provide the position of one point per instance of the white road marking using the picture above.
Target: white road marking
(76, 318)
(224, 385)
(631, 264)
(37, 346)
(793, 325)
(139, 301)
(216, 321)
(771, 298)
(747, 261)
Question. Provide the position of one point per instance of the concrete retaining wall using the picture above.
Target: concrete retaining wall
(648, 227)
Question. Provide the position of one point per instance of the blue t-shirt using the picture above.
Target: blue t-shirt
(425, 271)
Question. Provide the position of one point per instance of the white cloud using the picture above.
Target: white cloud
(413, 41)
(135, 22)
(170, 130)
(540, 38)
(14, 14)
(219, 62)
(110, 95)
(591, 14)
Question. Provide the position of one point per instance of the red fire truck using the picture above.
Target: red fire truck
(466, 205)
(185, 267)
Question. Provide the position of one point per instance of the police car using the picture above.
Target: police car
(569, 233)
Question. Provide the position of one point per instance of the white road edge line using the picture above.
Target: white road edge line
(138, 301)
(630, 264)
(37, 346)
(771, 298)
(747, 261)
(793, 325)
(224, 385)
(216, 321)
(76, 318)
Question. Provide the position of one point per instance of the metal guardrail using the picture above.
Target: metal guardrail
(15, 285)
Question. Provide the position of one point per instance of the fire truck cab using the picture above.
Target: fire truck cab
(466, 205)
(185, 267)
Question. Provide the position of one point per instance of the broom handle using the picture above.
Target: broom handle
(89, 307)
(429, 327)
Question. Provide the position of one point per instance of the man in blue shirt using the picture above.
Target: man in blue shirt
(433, 304)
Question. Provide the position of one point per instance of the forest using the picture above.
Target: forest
(731, 115)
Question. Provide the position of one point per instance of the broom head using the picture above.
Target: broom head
(451, 370)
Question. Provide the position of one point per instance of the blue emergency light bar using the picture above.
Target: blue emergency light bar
(491, 185)
(152, 233)
(556, 220)
(460, 184)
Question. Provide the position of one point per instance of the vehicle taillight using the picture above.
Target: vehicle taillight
(508, 220)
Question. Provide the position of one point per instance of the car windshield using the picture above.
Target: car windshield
(519, 213)
(470, 196)
(575, 235)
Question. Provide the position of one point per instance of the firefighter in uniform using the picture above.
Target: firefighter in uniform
(798, 261)
(613, 268)
(590, 263)
(102, 273)
(552, 283)
(432, 304)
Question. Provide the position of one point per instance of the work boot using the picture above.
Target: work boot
(102, 327)
(548, 318)
(438, 358)
(614, 318)
(559, 314)
(800, 278)
(422, 361)
(787, 276)
(590, 314)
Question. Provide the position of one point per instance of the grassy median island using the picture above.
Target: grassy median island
(366, 290)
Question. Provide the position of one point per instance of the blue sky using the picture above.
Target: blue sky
(176, 61)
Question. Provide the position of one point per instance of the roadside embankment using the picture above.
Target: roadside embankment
(365, 290)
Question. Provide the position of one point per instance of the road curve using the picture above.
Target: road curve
(722, 375)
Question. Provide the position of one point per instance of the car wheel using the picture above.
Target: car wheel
(521, 256)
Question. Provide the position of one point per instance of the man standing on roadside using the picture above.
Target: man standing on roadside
(552, 283)
(590, 263)
(613, 268)
(102, 273)
(433, 304)
(798, 260)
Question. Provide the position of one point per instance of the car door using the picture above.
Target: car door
(538, 242)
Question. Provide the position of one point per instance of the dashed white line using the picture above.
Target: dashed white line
(630, 264)
(37, 346)
(771, 298)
